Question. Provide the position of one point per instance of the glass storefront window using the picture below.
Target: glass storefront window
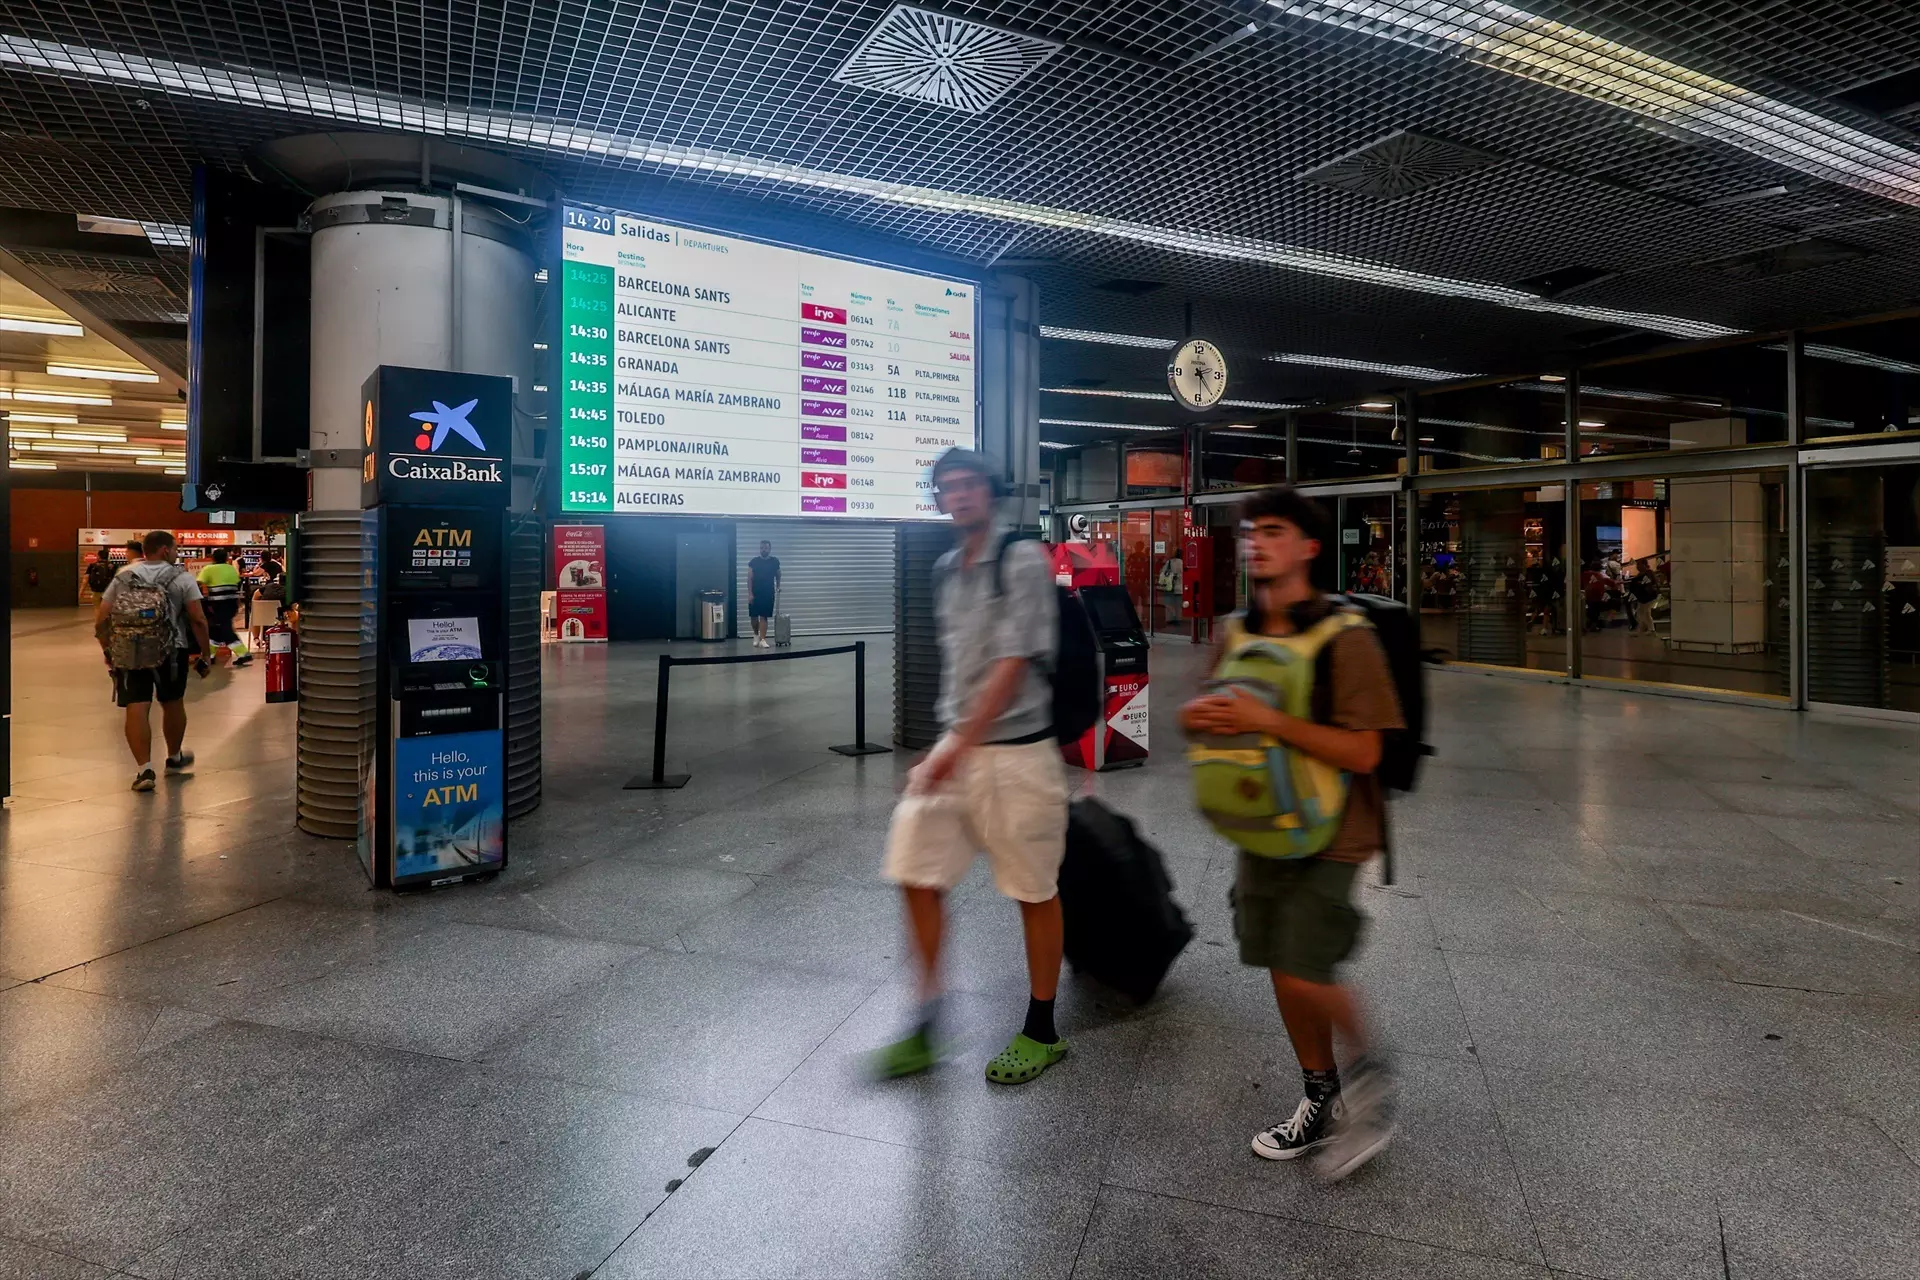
(1243, 459)
(1493, 574)
(1136, 561)
(1694, 400)
(1366, 555)
(1350, 443)
(1863, 586)
(1684, 580)
(1862, 382)
(1156, 469)
(1090, 474)
(1489, 426)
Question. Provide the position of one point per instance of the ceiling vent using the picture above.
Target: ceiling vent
(1785, 259)
(1399, 164)
(98, 280)
(950, 62)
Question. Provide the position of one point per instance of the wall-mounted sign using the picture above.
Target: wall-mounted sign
(434, 437)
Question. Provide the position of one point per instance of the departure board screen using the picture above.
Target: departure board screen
(705, 374)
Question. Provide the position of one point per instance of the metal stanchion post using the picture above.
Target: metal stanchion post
(660, 779)
(860, 746)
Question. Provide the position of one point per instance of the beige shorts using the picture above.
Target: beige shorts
(1008, 802)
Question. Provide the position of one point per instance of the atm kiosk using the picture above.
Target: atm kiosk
(434, 623)
(1120, 739)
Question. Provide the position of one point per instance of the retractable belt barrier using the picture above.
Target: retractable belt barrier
(661, 780)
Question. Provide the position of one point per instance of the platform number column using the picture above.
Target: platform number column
(586, 345)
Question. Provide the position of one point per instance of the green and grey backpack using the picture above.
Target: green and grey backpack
(1269, 798)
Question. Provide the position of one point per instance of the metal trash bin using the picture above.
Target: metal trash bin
(710, 609)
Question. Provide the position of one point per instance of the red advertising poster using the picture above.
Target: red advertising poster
(580, 557)
(580, 615)
(1121, 736)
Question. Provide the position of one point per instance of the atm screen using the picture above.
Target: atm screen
(1110, 609)
(443, 640)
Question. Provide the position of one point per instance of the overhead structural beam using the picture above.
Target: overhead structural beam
(35, 279)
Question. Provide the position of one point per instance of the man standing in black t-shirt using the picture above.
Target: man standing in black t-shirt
(763, 585)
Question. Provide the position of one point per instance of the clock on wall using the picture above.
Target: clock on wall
(1198, 374)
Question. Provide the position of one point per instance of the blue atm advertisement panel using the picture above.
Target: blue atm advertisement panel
(449, 805)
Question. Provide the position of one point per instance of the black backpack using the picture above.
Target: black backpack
(1074, 671)
(1399, 633)
(99, 574)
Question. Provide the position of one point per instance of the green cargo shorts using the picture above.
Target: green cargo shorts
(1295, 915)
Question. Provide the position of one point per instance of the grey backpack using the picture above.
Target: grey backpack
(140, 622)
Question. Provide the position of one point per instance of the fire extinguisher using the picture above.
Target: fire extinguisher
(283, 662)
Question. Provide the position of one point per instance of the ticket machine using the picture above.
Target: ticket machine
(434, 623)
(1120, 738)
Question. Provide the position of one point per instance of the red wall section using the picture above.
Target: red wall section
(56, 516)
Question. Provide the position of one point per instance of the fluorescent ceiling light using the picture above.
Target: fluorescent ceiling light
(1111, 339)
(173, 426)
(1553, 377)
(27, 324)
(131, 450)
(56, 397)
(1414, 371)
(110, 375)
(1377, 404)
(27, 464)
(98, 437)
(53, 419)
(1563, 57)
(1591, 425)
(28, 433)
(1861, 359)
(1054, 444)
(1101, 426)
(1255, 404)
(317, 99)
(168, 235)
(42, 446)
(156, 462)
(1118, 395)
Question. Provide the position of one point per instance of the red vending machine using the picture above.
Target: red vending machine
(1120, 739)
(1196, 584)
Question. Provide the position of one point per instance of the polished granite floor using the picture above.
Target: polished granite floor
(1650, 969)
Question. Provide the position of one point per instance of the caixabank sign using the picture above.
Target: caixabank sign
(436, 438)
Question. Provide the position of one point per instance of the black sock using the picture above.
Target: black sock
(1040, 1021)
(1321, 1085)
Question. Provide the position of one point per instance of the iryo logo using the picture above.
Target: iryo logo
(445, 420)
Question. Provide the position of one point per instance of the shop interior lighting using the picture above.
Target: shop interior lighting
(25, 396)
(156, 462)
(317, 99)
(28, 464)
(132, 450)
(106, 374)
(49, 446)
(1415, 372)
(1103, 426)
(1563, 57)
(173, 424)
(52, 328)
(98, 437)
(50, 419)
(28, 433)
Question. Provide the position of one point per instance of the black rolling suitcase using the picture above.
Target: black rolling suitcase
(1122, 925)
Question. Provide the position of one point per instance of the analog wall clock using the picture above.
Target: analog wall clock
(1198, 374)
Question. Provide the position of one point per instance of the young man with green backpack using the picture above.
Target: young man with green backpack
(1283, 748)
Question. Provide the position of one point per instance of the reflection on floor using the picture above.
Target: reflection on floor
(1650, 970)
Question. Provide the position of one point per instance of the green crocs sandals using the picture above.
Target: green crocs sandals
(1024, 1059)
(905, 1057)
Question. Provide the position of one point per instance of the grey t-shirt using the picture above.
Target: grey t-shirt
(181, 587)
(980, 625)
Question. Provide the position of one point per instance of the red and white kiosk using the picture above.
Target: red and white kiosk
(1120, 738)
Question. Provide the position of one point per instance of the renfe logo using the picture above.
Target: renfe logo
(445, 420)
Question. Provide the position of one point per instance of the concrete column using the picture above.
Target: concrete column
(394, 283)
(1009, 376)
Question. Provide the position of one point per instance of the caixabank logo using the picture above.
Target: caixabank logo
(439, 436)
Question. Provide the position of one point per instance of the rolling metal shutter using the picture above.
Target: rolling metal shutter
(916, 641)
(835, 578)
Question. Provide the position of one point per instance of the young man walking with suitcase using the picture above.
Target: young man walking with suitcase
(995, 781)
(1323, 713)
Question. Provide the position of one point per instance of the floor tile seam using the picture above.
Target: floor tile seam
(1320, 1223)
(853, 1009)
(1913, 1156)
(1499, 1121)
(78, 964)
(648, 1216)
(110, 1268)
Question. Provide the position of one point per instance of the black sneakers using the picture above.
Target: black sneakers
(1310, 1125)
(143, 780)
(1365, 1125)
(180, 763)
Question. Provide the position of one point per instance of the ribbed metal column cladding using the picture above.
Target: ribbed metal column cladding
(337, 686)
(916, 635)
(526, 567)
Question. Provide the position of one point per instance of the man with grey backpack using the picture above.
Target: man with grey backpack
(152, 628)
